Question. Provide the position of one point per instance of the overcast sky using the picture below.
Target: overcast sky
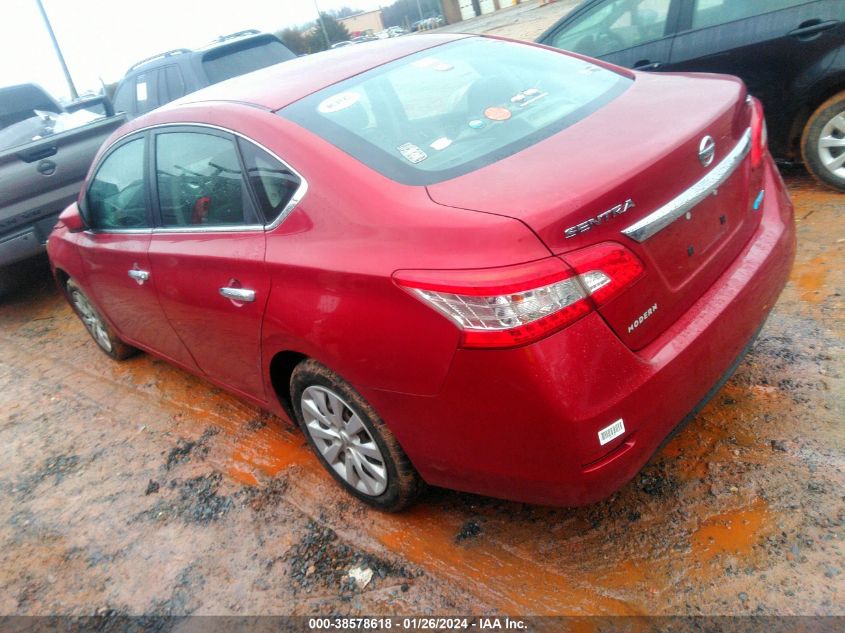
(102, 38)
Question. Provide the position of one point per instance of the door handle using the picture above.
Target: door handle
(812, 27)
(238, 294)
(37, 153)
(139, 275)
(645, 64)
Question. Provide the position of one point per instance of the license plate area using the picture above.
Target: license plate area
(686, 246)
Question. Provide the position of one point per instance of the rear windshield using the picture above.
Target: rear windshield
(242, 58)
(454, 108)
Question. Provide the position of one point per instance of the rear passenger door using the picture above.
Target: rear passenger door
(632, 33)
(768, 43)
(207, 253)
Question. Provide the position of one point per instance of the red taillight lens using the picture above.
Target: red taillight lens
(759, 134)
(515, 305)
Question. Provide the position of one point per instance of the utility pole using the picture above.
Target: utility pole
(74, 95)
(322, 25)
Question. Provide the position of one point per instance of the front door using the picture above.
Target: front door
(207, 255)
(114, 253)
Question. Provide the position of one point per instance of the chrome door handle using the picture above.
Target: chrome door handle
(238, 294)
(139, 275)
(645, 64)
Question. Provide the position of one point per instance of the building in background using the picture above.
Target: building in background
(457, 10)
(363, 23)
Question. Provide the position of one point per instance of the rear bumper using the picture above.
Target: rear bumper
(523, 424)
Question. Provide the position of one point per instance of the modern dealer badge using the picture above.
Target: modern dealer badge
(639, 320)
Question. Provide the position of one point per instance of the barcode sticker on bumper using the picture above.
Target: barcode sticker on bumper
(610, 432)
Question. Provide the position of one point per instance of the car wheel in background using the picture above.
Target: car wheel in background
(96, 325)
(823, 142)
(352, 442)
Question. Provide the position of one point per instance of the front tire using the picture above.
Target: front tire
(823, 142)
(350, 439)
(97, 327)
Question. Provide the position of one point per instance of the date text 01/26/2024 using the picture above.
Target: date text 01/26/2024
(418, 624)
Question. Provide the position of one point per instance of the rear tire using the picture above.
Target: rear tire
(351, 440)
(99, 329)
(823, 143)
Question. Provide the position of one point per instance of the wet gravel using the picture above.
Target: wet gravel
(318, 559)
(134, 488)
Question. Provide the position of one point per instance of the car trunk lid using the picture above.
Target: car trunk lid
(620, 175)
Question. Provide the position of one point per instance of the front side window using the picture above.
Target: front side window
(614, 26)
(199, 181)
(115, 197)
(714, 12)
(454, 108)
(273, 183)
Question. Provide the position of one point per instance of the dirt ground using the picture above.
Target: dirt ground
(135, 488)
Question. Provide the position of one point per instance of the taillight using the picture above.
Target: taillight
(515, 305)
(759, 134)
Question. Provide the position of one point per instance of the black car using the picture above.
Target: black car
(790, 53)
(162, 78)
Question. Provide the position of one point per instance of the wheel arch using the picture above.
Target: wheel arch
(800, 120)
(61, 278)
(281, 369)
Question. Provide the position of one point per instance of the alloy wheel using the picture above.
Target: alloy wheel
(831, 145)
(344, 441)
(92, 320)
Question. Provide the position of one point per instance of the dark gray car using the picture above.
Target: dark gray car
(790, 53)
(165, 77)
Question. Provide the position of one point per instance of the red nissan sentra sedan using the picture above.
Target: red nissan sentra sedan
(458, 260)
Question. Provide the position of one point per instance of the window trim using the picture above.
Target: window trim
(295, 199)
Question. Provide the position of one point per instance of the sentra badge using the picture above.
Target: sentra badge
(586, 225)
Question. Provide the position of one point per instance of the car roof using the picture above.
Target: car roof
(276, 86)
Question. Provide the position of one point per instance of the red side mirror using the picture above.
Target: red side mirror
(72, 218)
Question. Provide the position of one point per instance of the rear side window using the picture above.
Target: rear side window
(115, 198)
(614, 26)
(713, 12)
(241, 58)
(200, 181)
(273, 183)
(455, 108)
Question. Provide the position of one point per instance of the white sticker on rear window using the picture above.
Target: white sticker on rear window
(611, 432)
(141, 91)
(425, 62)
(412, 153)
(441, 143)
(338, 102)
